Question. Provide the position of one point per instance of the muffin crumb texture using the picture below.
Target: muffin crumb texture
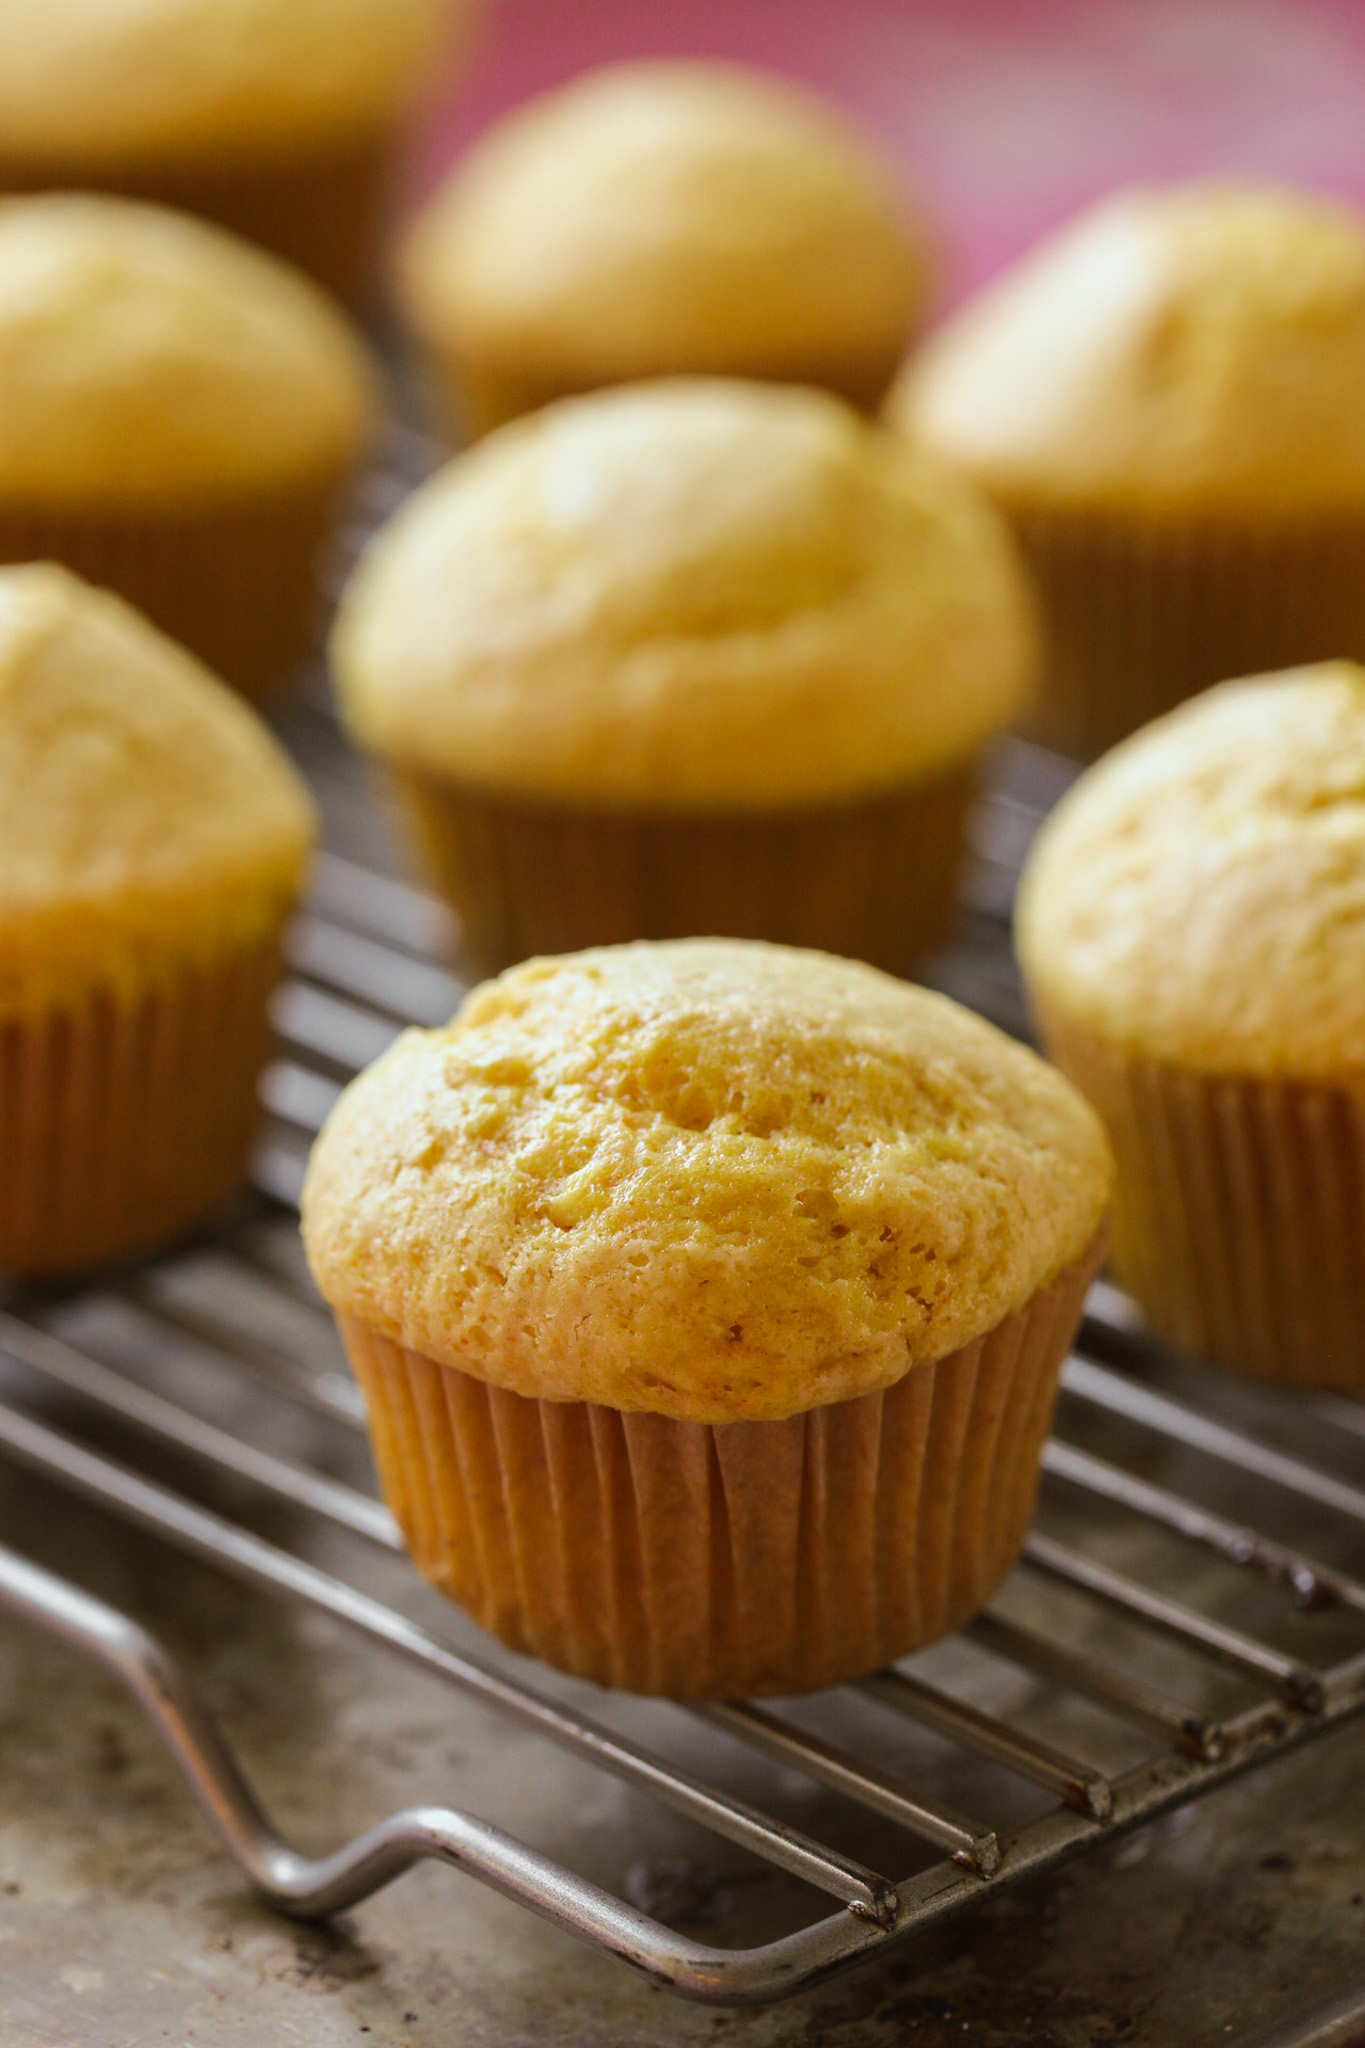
(697, 594)
(1199, 897)
(709, 1180)
(149, 823)
(671, 216)
(1198, 349)
(87, 81)
(151, 360)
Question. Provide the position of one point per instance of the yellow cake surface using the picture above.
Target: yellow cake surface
(707, 1179)
(1199, 896)
(124, 81)
(149, 359)
(1197, 349)
(692, 594)
(148, 821)
(666, 217)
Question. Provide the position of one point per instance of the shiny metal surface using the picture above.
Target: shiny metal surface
(878, 1912)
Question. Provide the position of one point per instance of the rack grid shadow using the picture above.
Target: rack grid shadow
(1151, 1645)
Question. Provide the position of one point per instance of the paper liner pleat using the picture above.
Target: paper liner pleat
(704, 1561)
(320, 206)
(237, 584)
(1141, 615)
(121, 1126)
(873, 880)
(469, 396)
(1239, 1217)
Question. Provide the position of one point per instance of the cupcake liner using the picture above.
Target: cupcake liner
(708, 1561)
(120, 1126)
(235, 583)
(872, 880)
(468, 396)
(320, 207)
(1239, 1217)
(1142, 615)
(465, 399)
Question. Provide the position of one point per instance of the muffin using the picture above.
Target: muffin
(661, 219)
(1168, 402)
(152, 842)
(688, 657)
(275, 118)
(708, 1301)
(1192, 931)
(179, 417)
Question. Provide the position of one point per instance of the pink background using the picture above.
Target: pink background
(1006, 114)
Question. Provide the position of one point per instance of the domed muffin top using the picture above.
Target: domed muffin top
(119, 82)
(1199, 895)
(147, 818)
(693, 594)
(146, 357)
(1200, 348)
(709, 1179)
(669, 216)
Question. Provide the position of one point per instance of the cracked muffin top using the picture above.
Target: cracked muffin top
(149, 821)
(148, 359)
(713, 1180)
(1199, 895)
(668, 216)
(694, 593)
(1199, 348)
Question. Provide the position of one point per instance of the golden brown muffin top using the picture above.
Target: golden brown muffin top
(1199, 896)
(125, 82)
(147, 358)
(691, 594)
(1198, 349)
(148, 821)
(654, 218)
(709, 1179)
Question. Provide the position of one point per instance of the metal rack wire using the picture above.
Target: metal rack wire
(365, 959)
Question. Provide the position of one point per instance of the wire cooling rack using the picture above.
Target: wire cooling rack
(1152, 1644)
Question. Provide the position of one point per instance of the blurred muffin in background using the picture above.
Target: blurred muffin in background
(709, 1300)
(1168, 401)
(1192, 932)
(657, 219)
(180, 415)
(695, 656)
(152, 841)
(276, 118)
